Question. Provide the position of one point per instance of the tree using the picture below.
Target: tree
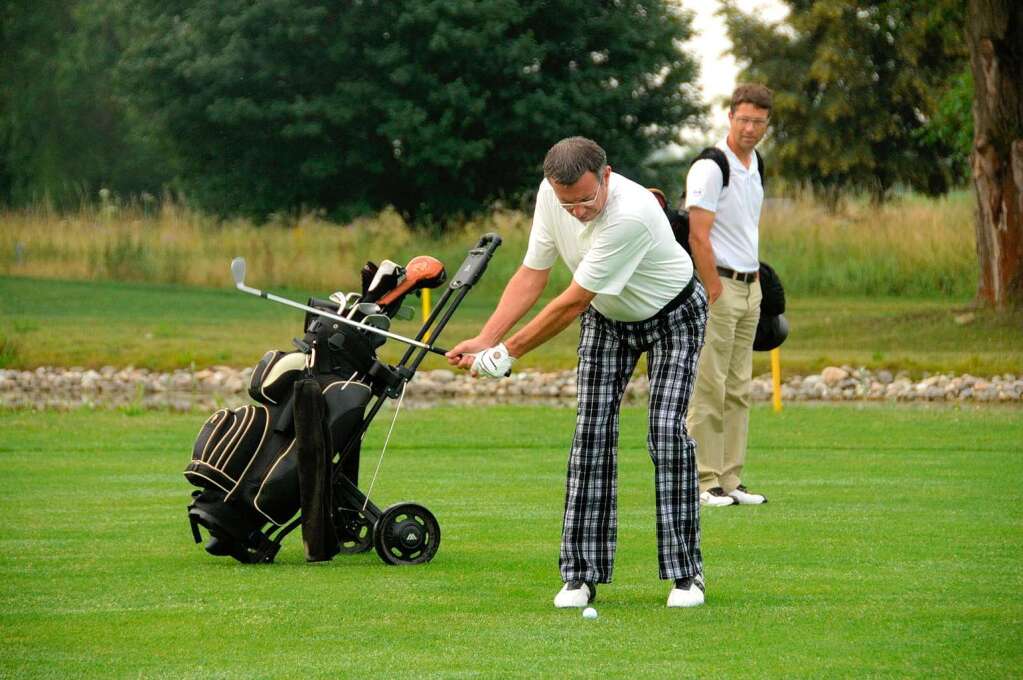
(995, 35)
(65, 131)
(437, 107)
(856, 84)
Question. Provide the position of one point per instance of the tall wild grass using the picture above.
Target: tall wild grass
(912, 246)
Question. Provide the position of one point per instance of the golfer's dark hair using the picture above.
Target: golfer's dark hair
(571, 158)
(752, 93)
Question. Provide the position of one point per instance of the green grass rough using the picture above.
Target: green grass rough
(162, 327)
(891, 547)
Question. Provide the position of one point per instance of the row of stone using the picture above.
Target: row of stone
(185, 389)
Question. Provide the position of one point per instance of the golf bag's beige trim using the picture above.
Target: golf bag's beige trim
(211, 481)
(252, 458)
(242, 421)
(255, 500)
(280, 367)
(266, 428)
(220, 414)
(344, 384)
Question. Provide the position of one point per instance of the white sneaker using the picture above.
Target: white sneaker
(744, 497)
(575, 594)
(688, 592)
(716, 497)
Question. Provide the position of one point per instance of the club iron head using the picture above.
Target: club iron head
(339, 299)
(406, 313)
(238, 271)
(368, 308)
(379, 321)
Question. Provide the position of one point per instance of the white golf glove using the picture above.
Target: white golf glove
(493, 363)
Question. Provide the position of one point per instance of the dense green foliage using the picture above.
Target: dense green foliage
(66, 129)
(853, 570)
(951, 127)
(857, 89)
(442, 108)
(438, 108)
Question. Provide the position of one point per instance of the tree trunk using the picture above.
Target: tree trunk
(994, 31)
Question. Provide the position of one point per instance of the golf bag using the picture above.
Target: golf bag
(292, 457)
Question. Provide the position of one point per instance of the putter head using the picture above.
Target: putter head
(238, 271)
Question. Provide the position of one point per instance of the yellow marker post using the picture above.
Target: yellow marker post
(776, 379)
(425, 297)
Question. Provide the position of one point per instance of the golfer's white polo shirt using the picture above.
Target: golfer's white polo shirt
(734, 238)
(627, 255)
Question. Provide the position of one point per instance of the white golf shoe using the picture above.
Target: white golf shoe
(716, 497)
(575, 594)
(688, 592)
(744, 497)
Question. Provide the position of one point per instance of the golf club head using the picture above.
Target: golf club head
(422, 271)
(406, 313)
(340, 299)
(238, 271)
(379, 321)
(368, 308)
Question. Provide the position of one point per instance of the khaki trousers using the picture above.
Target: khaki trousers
(719, 411)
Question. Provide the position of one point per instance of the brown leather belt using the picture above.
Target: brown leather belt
(745, 277)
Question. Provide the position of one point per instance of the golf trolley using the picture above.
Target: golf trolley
(292, 458)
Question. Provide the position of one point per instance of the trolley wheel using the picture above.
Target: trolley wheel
(354, 531)
(406, 533)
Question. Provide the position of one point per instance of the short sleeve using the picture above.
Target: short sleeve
(542, 252)
(703, 185)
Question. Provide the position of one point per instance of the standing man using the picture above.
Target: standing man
(634, 288)
(724, 239)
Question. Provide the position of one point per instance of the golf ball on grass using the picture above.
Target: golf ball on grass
(589, 613)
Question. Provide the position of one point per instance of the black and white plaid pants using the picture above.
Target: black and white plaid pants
(608, 352)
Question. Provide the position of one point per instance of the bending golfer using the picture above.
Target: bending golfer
(634, 289)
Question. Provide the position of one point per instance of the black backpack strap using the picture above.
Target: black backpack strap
(718, 156)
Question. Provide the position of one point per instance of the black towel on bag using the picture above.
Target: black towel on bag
(314, 448)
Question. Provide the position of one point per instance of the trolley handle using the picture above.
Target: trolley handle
(475, 262)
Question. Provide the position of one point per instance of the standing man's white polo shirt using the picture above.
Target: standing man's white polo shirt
(735, 237)
(627, 255)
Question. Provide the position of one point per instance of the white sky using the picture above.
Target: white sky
(717, 71)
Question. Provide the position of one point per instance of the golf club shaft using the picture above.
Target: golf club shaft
(297, 305)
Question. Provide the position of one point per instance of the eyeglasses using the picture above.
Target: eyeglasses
(743, 121)
(588, 203)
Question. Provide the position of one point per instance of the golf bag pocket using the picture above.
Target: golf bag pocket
(277, 496)
(275, 375)
(274, 489)
(225, 445)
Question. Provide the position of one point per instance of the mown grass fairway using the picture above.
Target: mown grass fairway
(161, 326)
(891, 547)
